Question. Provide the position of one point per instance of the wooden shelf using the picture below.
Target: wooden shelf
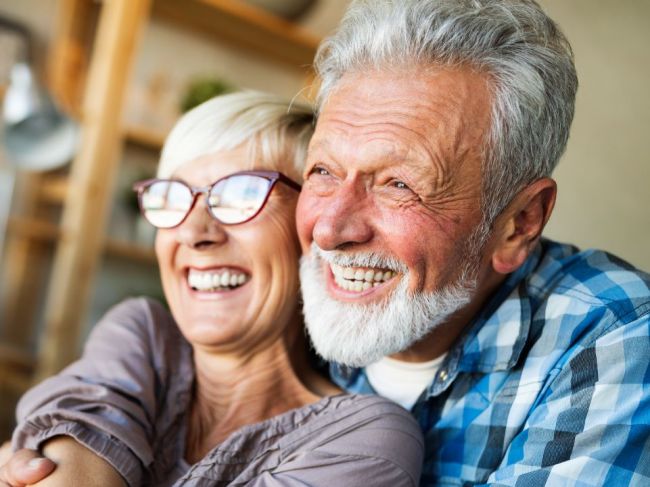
(49, 232)
(131, 251)
(144, 137)
(53, 189)
(244, 25)
(34, 229)
(18, 360)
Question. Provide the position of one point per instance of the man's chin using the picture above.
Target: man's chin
(357, 335)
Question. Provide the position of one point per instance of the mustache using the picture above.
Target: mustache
(358, 259)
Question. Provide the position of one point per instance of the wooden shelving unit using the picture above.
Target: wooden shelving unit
(47, 232)
(80, 240)
(53, 189)
(144, 137)
(244, 25)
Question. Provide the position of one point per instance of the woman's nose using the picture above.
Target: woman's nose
(344, 219)
(200, 230)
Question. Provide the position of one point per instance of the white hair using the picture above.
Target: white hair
(275, 131)
(358, 335)
(527, 61)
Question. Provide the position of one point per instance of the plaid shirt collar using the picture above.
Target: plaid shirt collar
(494, 340)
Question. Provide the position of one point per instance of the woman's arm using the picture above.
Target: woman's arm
(77, 466)
(109, 400)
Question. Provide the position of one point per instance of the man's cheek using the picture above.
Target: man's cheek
(305, 220)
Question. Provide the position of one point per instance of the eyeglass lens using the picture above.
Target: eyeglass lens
(231, 200)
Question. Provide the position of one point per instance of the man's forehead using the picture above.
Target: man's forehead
(440, 110)
(422, 95)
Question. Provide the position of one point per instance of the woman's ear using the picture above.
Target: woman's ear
(520, 225)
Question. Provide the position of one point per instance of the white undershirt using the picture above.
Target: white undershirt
(402, 382)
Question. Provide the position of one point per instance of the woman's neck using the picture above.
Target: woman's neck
(233, 391)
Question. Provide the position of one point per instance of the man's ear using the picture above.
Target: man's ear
(521, 223)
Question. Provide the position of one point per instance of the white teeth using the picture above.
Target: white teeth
(359, 279)
(225, 279)
(206, 280)
(215, 281)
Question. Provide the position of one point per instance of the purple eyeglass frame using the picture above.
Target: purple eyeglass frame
(272, 176)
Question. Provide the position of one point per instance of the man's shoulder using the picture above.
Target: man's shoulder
(588, 282)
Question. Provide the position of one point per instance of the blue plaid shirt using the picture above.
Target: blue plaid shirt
(551, 383)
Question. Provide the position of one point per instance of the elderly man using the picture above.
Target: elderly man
(427, 188)
(526, 362)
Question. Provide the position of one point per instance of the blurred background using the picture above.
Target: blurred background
(90, 88)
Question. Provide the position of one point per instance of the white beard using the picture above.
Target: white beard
(358, 335)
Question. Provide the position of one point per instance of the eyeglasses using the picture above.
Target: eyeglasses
(231, 200)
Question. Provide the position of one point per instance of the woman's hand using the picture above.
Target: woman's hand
(25, 467)
(66, 464)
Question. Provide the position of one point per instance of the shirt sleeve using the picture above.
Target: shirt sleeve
(350, 440)
(591, 427)
(380, 446)
(379, 456)
(109, 399)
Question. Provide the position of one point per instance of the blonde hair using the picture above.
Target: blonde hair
(275, 131)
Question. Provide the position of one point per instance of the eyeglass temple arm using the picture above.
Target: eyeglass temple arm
(289, 182)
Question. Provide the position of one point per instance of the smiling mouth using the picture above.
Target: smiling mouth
(216, 280)
(359, 279)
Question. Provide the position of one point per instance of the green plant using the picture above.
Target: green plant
(202, 89)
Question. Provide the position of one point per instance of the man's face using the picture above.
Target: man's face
(391, 196)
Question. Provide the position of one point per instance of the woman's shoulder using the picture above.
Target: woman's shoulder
(366, 418)
(380, 437)
(141, 317)
(139, 310)
(373, 409)
(347, 439)
(143, 333)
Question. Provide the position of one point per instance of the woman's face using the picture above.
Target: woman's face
(262, 253)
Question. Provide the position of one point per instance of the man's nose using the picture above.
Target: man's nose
(200, 230)
(344, 219)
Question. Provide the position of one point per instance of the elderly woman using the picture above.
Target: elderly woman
(221, 391)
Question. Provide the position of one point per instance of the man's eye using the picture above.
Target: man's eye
(400, 185)
(319, 171)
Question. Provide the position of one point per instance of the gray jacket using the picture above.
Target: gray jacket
(128, 397)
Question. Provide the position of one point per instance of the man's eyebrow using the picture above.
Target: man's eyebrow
(320, 145)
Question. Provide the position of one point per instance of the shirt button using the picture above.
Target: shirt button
(442, 375)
